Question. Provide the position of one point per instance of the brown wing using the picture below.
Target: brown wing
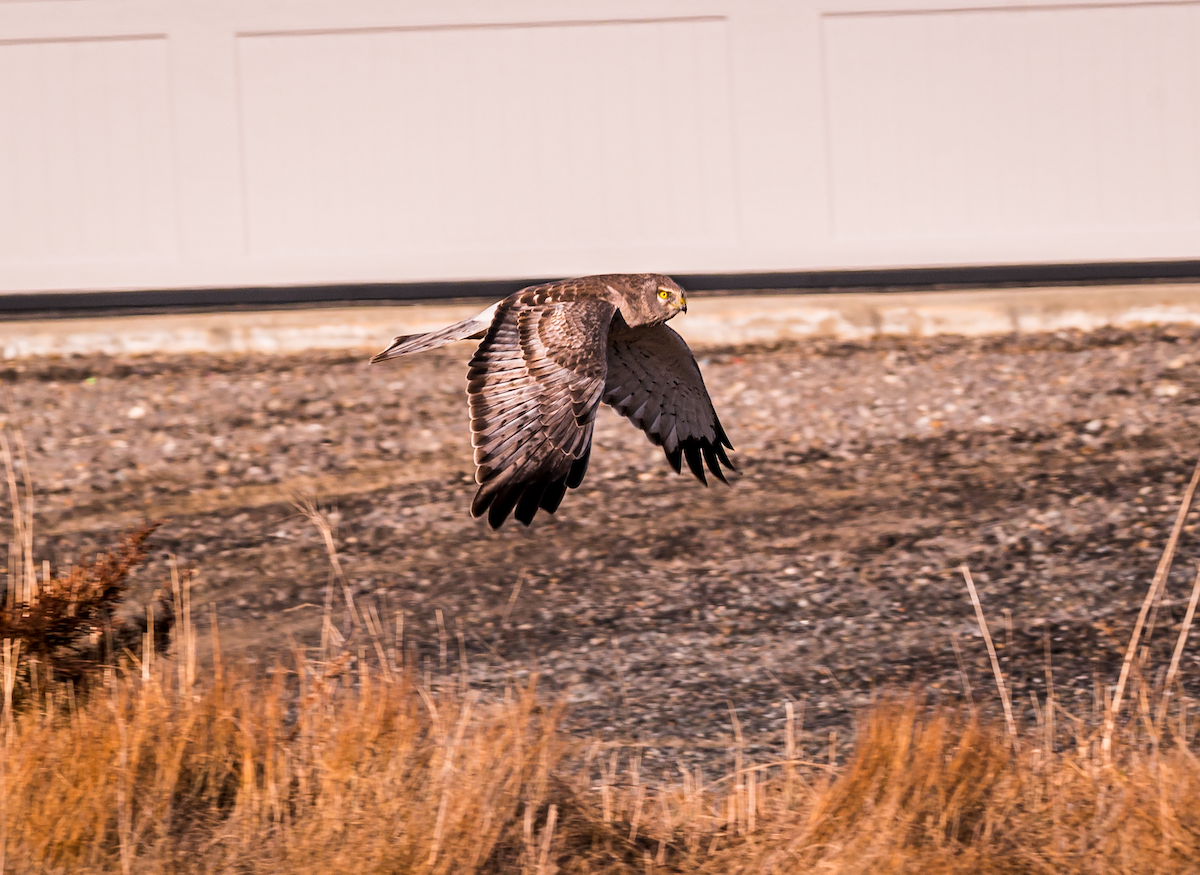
(654, 380)
(534, 386)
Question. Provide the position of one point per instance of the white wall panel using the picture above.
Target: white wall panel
(85, 152)
(466, 139)
(150, 144)
(1014, 121)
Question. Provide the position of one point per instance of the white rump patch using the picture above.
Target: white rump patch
(487, 315)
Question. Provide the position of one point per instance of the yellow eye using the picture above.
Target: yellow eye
(664, 294)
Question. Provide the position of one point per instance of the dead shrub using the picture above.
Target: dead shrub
(68, 626)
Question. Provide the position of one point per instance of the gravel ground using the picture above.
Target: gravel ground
(1052, 464)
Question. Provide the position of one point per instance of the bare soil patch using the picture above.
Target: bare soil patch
(1051, 464)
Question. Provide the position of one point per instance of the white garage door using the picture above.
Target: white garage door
(193, 143)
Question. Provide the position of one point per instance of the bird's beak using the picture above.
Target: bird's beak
(683, 303)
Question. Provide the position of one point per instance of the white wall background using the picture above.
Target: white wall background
(151, 144)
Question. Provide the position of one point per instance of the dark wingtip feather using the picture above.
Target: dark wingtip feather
(692, 452)
(498, 500)
(481, 502)
(531, 499)
(553, 496)
(502, 506)
(710, 456)
(675, 458)
(724, 457)
(722, 438)
(579, 468)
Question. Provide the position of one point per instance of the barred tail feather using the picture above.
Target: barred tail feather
(475, 327)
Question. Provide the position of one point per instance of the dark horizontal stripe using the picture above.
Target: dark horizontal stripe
(253, 297)
(880, 280)
(965, 276)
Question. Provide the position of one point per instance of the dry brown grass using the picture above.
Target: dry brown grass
(349, 761)
(330, 771)
(258, 776)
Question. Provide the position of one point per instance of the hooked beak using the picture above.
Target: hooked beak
(683, 304)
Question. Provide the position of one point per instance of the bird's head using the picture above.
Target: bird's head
(668, 294)
(648, 298)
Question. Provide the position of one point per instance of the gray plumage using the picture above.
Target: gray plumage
(549, 355)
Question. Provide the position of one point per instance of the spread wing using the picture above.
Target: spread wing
(654, 380)
(533, 387)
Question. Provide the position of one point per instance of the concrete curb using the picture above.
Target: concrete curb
(713, 320)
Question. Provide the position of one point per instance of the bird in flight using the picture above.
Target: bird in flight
(549, 355)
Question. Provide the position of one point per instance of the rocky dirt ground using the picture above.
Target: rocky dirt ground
(1053, 465)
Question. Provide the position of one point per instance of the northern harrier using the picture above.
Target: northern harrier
(550, 354)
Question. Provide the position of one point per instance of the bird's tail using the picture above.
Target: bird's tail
(474, 327)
